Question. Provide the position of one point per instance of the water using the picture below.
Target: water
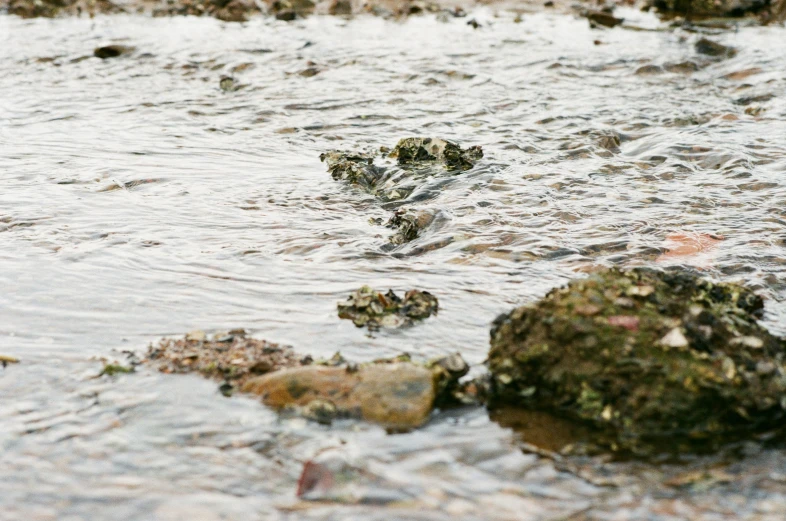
(139, 200)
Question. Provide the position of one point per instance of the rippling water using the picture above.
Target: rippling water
(138, 199)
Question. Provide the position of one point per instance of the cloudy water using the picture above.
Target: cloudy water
(138, 200)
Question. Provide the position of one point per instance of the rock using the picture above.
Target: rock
(708, 8)
(289, 10)
(408, 225)
(5, 360)
(231, 357)
(398, 396)
(652, 359)
(115, 369)
(366, 307)
(340, 8)
(227, 83)
(418, 161)
(648, 70)
(111, 51)
(416, 149)
(355, 168)
(710, 48)
(685, 67)
(597, 18)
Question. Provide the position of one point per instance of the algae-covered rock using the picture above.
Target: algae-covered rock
(649, 357)
(367, 307)
(408, 225)
(232, 357)
(418, 149)
(355, 168)
(397, 394)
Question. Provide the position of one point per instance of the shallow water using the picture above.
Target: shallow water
(137, 200)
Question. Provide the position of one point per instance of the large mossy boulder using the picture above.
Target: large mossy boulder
(656, 360)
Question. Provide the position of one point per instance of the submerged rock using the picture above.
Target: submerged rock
(408, 225)
(653, 359)
(710, 48)
(417, 149)
(367, 307)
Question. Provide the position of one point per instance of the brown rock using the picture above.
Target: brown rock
(398, 396)
(600, 18)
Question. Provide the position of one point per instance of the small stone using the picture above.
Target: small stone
(674, 338)
(227, 83)
(196, 336)
(748, 341)
(604, 19)
(710, 48)
(111, 51)
(5, 360)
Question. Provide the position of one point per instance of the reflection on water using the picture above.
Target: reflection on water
(139, 199)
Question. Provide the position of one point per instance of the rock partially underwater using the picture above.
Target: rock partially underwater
(655, 360)
(398, 394)
(354, 168)
(414, 150)
(418, 159)
(408, 225)
(374, 309)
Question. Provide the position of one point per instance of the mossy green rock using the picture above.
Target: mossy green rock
(656, 360)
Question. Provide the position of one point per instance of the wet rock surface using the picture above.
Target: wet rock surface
(652, 359)
(397, 395)
(374, 309)
(415, 150)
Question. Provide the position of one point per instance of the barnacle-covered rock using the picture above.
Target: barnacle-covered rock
(408, 225)
(418, 149)
(355, 168)
(649, 357)
(367, 307)
(231, 357)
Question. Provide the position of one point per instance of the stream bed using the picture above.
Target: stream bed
(138, 199)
